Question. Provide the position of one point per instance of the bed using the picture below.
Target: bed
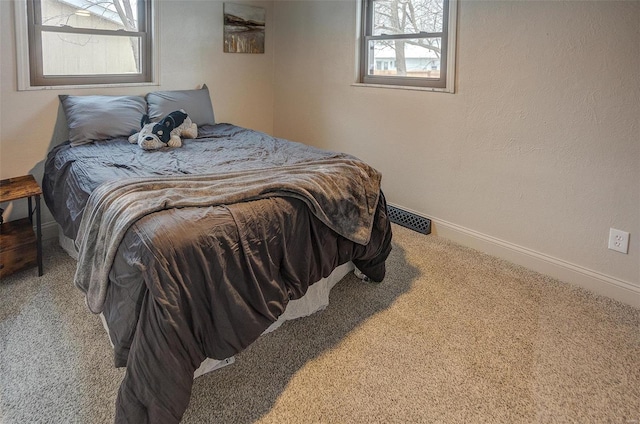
(190, 254)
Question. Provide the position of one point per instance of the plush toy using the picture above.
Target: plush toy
(168, 132)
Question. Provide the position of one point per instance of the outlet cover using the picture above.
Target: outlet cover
(618, 240)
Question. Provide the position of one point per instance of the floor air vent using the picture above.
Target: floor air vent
(409, 220)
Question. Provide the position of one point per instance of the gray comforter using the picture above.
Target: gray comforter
(203, 269)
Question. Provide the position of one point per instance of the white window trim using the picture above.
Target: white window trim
(22, 54)
(451, 55)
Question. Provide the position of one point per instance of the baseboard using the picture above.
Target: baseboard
(594, 281)
(49, 231)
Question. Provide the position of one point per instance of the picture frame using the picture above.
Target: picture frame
(244, 28)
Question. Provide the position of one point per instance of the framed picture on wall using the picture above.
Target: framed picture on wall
(243, 28)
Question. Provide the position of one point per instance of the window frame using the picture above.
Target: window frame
(29, 45)
(444, 83)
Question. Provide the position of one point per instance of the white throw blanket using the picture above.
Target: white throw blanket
(343, 193)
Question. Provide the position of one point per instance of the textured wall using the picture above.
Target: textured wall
(539, 147)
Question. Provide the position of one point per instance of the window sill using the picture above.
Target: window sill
(71, 86)
(404, 87)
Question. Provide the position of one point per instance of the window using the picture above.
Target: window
(413, 40)
(79, 42)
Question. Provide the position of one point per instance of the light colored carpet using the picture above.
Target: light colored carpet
(450, 336)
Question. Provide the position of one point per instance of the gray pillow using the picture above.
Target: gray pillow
(92, 118)
(196, 103)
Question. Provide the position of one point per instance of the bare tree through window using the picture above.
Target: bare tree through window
(89, 41)
(405, 39)
(398, 17)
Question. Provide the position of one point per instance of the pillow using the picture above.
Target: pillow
(196, 103)
(91, 118)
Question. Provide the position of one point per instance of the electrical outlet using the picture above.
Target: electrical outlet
(618, 240)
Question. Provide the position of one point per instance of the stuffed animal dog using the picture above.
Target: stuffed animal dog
(168, 132)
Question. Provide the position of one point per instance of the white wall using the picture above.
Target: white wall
(534, 157)
(191, 42)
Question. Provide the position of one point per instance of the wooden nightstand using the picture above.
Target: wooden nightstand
(19, 247)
